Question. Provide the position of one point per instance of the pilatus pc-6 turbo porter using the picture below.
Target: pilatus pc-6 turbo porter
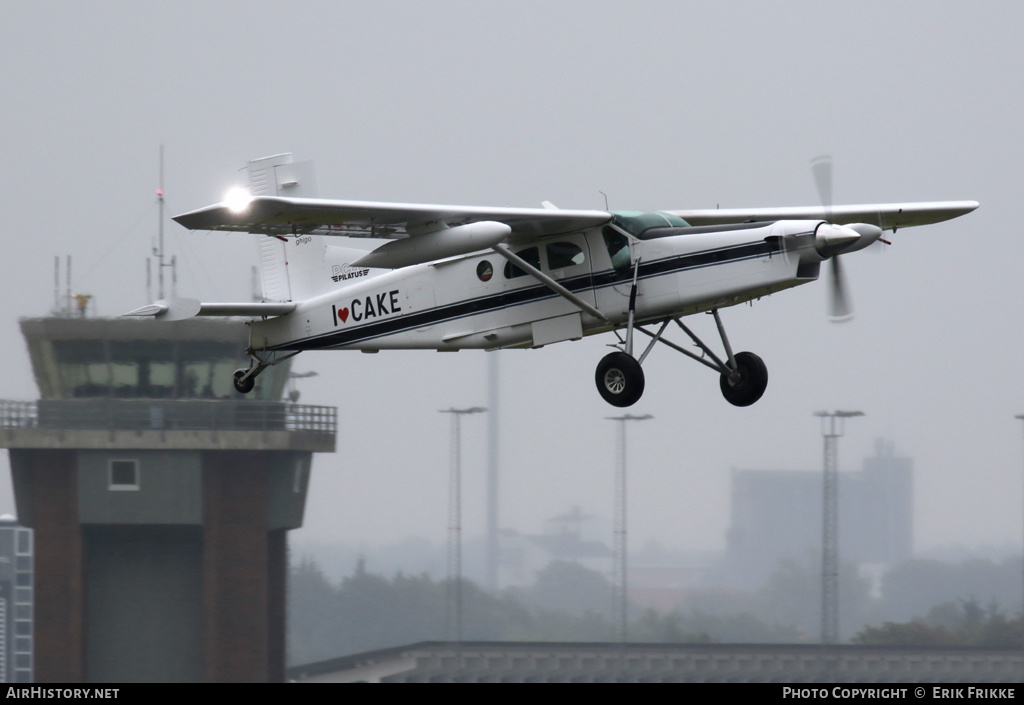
(455, 277)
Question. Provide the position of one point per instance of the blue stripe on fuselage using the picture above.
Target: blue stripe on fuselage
(503, 300)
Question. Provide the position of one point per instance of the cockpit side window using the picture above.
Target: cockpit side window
(530, 255)
(635, 222)
(618, 247)
(564, 254)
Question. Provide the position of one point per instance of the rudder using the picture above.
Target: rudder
(280, 259)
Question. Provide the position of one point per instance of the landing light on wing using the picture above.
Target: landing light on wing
(237, 199)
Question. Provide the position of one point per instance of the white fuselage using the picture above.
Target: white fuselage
(482, 301)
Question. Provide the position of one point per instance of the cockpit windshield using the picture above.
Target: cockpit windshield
(635, 222)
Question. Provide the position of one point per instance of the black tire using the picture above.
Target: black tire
(620, 379)
(246, 386)
(752, 382)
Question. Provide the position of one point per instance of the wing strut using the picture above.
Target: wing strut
(632, 309)
(547, 281)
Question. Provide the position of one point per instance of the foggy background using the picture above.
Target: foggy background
(660, 105)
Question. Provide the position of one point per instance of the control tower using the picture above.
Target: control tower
(160, 500)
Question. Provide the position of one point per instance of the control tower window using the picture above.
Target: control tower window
(124, 474)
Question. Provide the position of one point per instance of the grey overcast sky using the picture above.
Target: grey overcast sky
(659, 104)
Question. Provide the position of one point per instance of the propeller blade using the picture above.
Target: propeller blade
(839, 306)
(832, 239)
(821, 167)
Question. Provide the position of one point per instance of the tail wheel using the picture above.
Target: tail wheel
(620, 379)
(749, 385)
(244, 386)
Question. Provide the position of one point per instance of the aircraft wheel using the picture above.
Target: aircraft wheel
(752, 382)
(243, 387)
(620, 379)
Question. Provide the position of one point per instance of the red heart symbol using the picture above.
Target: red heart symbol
(343, 314)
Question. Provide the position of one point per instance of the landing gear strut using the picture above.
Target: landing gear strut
(619, 377)
(245, 378)
(743, 376)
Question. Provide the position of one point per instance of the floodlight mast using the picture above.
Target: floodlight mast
(831, 430)
(493, 440)
(1021, 417)
(619, 585)
(455, 517)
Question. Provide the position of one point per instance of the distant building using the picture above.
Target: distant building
(15, 602)
(777, 514)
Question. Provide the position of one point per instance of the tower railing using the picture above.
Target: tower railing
(167, 415)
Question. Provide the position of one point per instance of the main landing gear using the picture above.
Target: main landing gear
(620, 379)
(743, 377)
(245, 378)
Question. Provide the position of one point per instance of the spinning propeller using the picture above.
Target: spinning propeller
(830, 240)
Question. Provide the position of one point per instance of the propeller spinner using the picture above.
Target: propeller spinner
(831, 240)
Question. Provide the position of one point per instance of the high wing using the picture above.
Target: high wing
(292, 216)
(314, 216)
(887, 216)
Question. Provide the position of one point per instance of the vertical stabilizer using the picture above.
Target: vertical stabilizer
(283, 263)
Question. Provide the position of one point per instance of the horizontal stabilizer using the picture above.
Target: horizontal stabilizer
(180, 309)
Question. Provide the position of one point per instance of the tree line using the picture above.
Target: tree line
(365, 611)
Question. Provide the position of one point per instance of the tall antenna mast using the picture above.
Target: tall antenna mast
(160, 243)
(66, 309)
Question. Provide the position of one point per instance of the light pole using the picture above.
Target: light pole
(1021, 417)
(493, 441)
(831, 431)
(455, 516)
(619, 592)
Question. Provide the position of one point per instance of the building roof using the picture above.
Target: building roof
(523, 662)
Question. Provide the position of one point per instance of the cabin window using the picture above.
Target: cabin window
(484, 271)
(618, 247)
(564, 254)
(530, 255)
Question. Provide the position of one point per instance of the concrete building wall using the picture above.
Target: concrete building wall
(143, 587)
(45, 484)
(168, 488)
(181, 579)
